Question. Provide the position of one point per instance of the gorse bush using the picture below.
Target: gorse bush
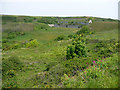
(32, 43)
(77, 49)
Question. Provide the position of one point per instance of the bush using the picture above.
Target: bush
(11, 73)
(70, 36)
(4, 40)
(41, 26)
(83, 30)
(14, 34)
(77, 49)
(16, 46)
(32, 43)
(61, 37)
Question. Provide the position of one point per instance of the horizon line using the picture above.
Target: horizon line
(58, 16)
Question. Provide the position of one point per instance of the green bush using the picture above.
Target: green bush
(77, 49)
(16, 46)
(70, 36)
(83, 30)
(32, 43)
(61, 37)
(14, 34)
(11, 73)
(4, 40)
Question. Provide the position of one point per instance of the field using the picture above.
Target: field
(37, 56)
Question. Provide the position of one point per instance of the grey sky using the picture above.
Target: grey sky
(96, 8)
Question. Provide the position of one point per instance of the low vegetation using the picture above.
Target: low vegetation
(56, 57)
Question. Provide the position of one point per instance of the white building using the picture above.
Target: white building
(51, 25)
(90, 21)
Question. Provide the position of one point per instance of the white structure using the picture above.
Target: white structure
(90, 21)
(51, 25)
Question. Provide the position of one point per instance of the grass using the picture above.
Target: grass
(42, 64)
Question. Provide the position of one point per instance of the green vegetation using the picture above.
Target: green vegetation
(56, 57)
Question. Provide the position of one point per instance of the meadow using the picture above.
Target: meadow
(35, 55)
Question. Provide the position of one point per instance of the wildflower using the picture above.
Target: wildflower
(101, 60)
(86, 63)
(93, 61)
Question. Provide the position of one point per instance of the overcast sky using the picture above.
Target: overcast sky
(96, 8)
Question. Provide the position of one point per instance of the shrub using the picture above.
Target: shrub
(77, 49)
(14, 34)
(11, 73)
(70, 36)
(40, 26)
(4, 40)
(83, 30)
(32, 43)
(61, 37)
(15, 46)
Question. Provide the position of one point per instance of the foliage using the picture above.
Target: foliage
(77, 49)
(11, 83)
(70, 36)
(11, 73)
(32, 43)
(48, 20)
(46, 66)
(84, 30)
(61, 37)
(12, 63)
(40, 26)
(14, 34)
(8, 18)
(106, 48)
(4, 40)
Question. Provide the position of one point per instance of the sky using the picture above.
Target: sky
(95, 8)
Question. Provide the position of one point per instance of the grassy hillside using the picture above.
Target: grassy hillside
(37, 57)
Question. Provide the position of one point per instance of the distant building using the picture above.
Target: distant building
(90, 21)
(51, 25)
